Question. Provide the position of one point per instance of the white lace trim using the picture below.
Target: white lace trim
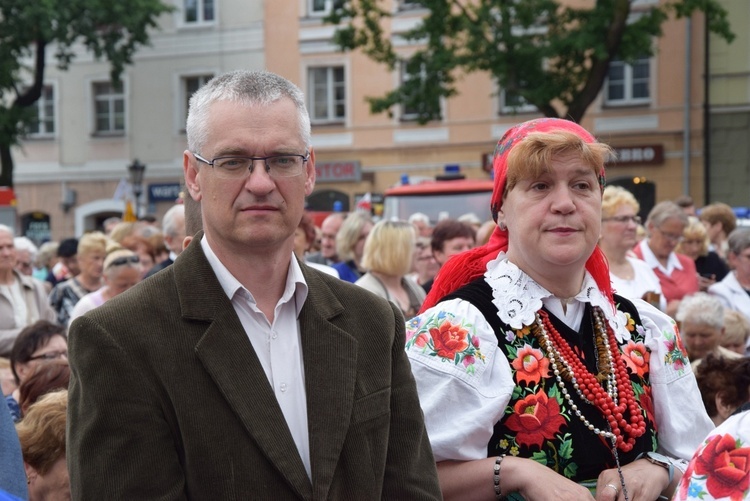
(518, 297)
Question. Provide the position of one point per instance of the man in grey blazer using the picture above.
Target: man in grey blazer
(240, 373)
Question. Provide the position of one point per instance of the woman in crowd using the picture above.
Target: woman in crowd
(425, 265)
(42, 436)
(736, 332)
(732, 291)
(719, 469)
(720, 221)
(532, 375)
(388, 257)
(724, 385)
(143, 249)
(122, 270)
(708, 264)
(304, 236)
(631, 277)
(92, 249)
(677, 276)
(701, 320)
(47, 376)
(350, 244)
(39, 341)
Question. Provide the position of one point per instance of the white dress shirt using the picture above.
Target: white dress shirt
(277, 345)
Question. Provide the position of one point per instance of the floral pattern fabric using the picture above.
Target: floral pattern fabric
(720, 468)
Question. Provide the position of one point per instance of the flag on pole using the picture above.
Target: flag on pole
(365, 203)
(129, 215)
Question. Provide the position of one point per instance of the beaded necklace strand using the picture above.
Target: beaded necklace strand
(612, 400)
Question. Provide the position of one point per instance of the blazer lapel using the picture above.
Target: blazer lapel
(330, 356)
(228, 356)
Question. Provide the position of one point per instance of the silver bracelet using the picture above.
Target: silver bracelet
(496, 478)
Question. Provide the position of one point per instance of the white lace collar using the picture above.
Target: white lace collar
(518, 297)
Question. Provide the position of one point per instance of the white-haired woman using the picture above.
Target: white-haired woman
(701, 319)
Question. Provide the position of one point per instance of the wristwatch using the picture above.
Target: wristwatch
(661, 460)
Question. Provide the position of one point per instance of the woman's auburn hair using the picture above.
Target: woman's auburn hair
(533, 156)
(42, 431)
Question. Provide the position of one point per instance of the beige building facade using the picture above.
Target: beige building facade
(652, 112)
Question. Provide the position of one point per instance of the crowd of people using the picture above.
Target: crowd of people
(566, 349)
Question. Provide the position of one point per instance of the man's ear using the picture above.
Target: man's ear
(310, 173)
(190, 170)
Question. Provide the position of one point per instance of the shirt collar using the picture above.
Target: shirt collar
(518, 297)
(295, 281)
(650, 258)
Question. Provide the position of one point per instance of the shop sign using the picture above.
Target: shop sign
(649, 154)
(349, 171)
(164, 192)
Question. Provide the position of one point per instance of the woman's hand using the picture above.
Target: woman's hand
(536, 482)
(644, 481)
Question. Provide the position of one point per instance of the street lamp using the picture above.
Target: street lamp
(136, 170)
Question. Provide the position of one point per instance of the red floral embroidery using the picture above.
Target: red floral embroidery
(647, 404)
(726, 466)
(535, 419)
(421, 340)
(636, 357)
(531, 365)
(449, 339)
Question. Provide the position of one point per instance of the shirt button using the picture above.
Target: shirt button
(283, 387)
(274, 335)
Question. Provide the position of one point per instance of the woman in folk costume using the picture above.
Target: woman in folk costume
(536, 381)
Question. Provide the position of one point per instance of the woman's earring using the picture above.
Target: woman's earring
(502, 226)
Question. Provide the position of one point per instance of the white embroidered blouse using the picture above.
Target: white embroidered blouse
(463, 394)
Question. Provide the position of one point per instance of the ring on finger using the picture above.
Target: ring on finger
(612, 486)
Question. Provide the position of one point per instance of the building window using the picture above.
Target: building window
(322, 7)
(43, 123)
(198, 11)
(109, 106)
(629, 84)
(327, 90)
(513, 102)
(189, 86)
(410, 112)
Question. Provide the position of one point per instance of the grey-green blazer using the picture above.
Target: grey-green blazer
(169, 401)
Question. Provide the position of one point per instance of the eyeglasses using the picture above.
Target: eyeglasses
(670, 236)
(240, 167)
(51, 355)
(124, 260)
(624, 219)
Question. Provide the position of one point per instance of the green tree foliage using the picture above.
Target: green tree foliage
(553, 56)
(32, 30)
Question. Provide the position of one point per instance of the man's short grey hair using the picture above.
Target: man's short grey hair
(247, 88)
(666, 210)
(25, 244)
(739, 240)
(169, 221)
(7, 229)
(701, 308)
(419, 217)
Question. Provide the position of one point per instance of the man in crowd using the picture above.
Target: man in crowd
(173, 228)
(238, 372)
(23, 299)
(329, 230)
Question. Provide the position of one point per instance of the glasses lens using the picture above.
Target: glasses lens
(232, 167)
(284, 165)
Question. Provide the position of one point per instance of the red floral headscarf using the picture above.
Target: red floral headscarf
(470, 265)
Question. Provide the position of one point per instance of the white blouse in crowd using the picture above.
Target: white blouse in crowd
(644, 280)
(477, 398)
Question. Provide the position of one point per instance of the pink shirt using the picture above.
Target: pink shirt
(680, 281)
